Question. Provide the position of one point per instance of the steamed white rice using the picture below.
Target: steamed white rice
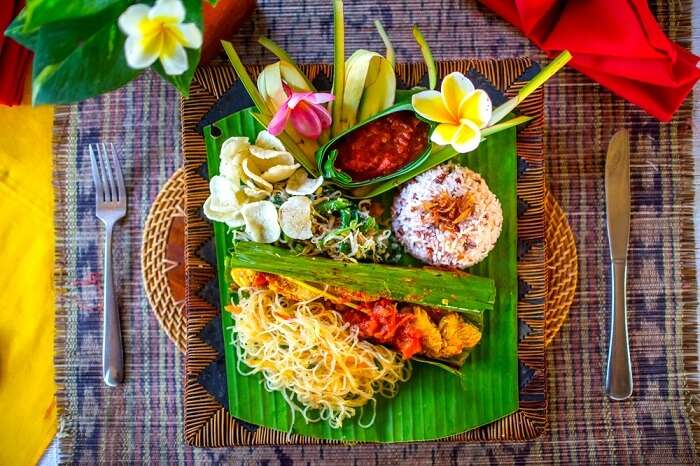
(463, 244)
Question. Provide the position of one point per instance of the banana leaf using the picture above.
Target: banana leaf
(444, 289)
(434, 403)
(422, 286)
(453, 367)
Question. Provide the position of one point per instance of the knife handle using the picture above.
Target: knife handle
(618, 377)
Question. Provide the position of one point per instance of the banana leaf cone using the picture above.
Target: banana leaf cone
(425, 286)
(327, 155)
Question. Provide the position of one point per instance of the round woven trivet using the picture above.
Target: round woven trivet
(162, 260)
(561, 267)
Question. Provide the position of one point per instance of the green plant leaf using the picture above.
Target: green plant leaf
(55, 42)
(76, 59)
(182, 81)
(16, 31)
(434, 403)
(81, 57)
(41, 12)
(72, 56)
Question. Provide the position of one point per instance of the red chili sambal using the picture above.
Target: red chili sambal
(381, 322)
(383, 146)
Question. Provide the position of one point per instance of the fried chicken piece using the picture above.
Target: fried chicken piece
(431, 338)
(450, 337)
(457, 335)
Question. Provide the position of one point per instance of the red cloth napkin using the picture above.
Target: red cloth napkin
(615, 42)
(14, 59)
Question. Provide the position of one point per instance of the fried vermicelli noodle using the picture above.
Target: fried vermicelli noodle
(305, 351)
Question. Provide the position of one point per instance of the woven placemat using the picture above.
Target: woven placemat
(162, 236)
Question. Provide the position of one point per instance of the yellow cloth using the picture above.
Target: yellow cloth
(27, 387)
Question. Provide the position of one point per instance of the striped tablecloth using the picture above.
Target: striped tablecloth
(141, 421)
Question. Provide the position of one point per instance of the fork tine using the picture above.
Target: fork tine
(107, 196)
(103, 174)
(99, 194)
(118, 174)
(110, 178)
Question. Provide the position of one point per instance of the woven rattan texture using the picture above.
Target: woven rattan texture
(207, 423)
(155, 260)
(562, 267)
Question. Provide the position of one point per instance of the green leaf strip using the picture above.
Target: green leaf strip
(282, 54)
(338, 66)
(540, 78)
(497, 128)
(390, 55)
(427, 56)
(440, 364)
(245, 78)
(450, 290)
(547, 72)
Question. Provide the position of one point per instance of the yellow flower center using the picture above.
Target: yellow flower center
(160, 35)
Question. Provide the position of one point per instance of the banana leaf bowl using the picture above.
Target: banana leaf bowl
(328, 156)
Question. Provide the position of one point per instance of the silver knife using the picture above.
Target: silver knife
(618, 376)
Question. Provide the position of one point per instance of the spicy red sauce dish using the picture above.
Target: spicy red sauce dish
(381, 322)
(383, 146)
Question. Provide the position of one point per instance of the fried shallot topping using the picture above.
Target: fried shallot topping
(447, 211)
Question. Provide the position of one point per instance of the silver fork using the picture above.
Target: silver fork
(110, 202)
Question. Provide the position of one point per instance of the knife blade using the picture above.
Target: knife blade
(618, 376)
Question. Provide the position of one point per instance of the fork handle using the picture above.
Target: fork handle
(112, 353)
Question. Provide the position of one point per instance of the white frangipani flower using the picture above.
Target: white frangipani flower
(158, 32)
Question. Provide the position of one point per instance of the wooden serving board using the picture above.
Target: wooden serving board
(207, 421)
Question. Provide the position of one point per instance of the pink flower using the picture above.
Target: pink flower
(305, 111)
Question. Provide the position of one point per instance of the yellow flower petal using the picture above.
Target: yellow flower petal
(429, 105)
(444, 133)
(476, 107)
(467, 137)
(455, 87)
